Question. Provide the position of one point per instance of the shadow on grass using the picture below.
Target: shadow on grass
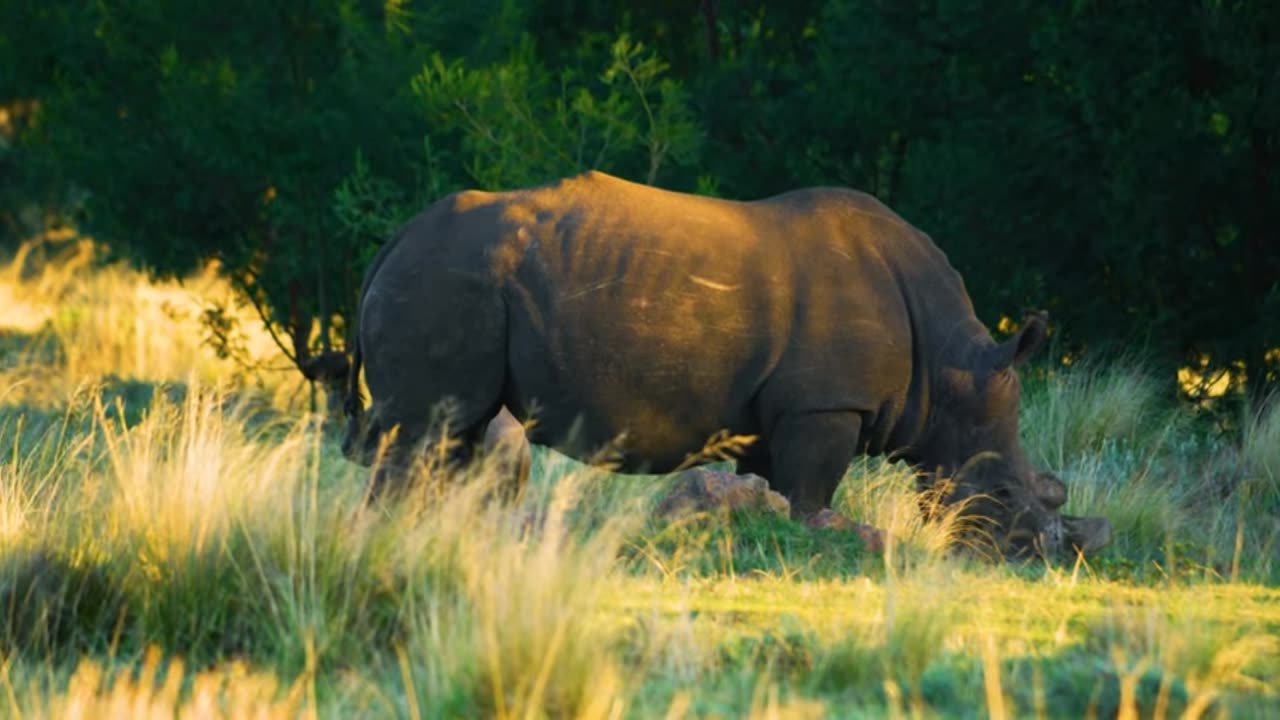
(55, 608)
(743, 543)
(747, 544)
(855, 677)
(51, 607)
(29, 348)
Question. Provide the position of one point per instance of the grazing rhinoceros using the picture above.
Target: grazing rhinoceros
(818, 320)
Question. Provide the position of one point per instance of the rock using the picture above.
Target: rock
(705, 490)
(828, 518)
(702, 490)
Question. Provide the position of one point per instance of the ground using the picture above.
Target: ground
(179, 535)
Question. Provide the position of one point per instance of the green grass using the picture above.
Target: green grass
(178, 538)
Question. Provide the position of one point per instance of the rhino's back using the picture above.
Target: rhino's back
(662, 315)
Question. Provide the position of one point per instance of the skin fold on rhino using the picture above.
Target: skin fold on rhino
(818, 321)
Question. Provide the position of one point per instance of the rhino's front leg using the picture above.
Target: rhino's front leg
(810, 453)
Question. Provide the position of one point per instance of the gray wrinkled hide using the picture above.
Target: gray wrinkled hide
(817, 320)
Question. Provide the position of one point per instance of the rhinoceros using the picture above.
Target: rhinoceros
(818, 321)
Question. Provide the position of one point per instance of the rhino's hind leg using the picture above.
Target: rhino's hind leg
(436, 376)
(810, 454)
(407, 450)
(395, 466)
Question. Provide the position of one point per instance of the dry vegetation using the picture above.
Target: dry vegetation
(178, 538)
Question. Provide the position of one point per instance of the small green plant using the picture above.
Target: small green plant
(1076, 411)
(521, 124)
(1261, 450)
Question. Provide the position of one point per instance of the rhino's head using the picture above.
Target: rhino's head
(972, 439)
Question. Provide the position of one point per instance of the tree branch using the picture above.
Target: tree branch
(242, 285)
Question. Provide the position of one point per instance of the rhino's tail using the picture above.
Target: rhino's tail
(353, 406)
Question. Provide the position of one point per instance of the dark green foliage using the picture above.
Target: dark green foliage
(201, 130)
(18, 347)
(1115, 164)
(519, 124)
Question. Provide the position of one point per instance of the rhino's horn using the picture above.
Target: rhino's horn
(1087, 534)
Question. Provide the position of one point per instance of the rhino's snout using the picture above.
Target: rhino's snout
(1052, 539)
(1065, 535)
(1086, 534)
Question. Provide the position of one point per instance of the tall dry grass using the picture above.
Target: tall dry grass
(69, 319)
(184, 554)
(200, 538)
(1261, 450)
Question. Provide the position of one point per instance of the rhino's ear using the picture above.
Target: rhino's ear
(1015, 351)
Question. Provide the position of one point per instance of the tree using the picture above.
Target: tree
(1113, 163)
(518, 124)
(33, 38)
(202, 130)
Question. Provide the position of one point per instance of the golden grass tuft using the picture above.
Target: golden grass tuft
(79, 320)
(919, 529)
(165, 689)
(520, 634)
(193, 523)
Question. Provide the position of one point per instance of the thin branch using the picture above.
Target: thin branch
(243, 285)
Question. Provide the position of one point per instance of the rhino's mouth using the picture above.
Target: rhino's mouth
(1036, 527)
(1062, 536)
(1086, 534)
(1065, 535)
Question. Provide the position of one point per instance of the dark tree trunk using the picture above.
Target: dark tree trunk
(713, 32)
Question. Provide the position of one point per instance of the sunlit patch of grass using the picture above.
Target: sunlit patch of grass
(744, 544)
(919, 530)
(179, 514)
(87, 321)
(889, 660)
(932, 643)
(1186, 658)
(147, 500)
(518, 632)
(213, 543)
